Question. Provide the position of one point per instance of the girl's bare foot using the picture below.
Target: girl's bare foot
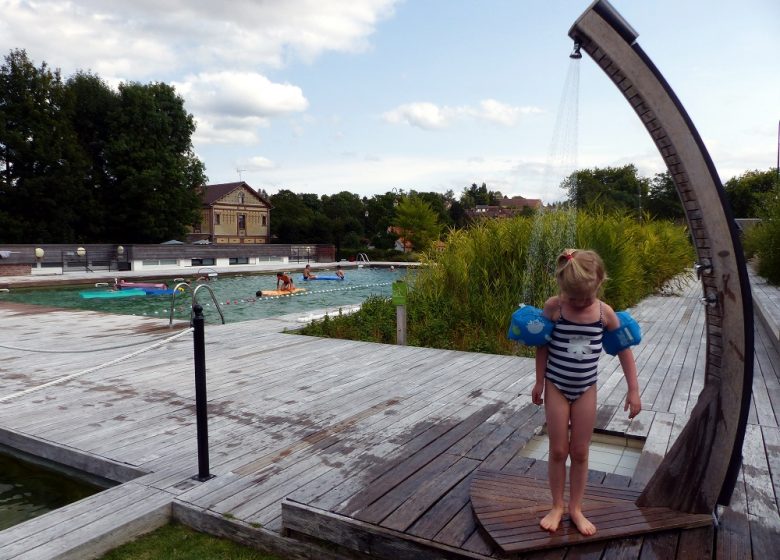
(583, 525)
(551, 521)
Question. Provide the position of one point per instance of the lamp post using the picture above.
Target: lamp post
(82, 252)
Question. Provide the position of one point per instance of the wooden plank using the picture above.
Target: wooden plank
(365, 537)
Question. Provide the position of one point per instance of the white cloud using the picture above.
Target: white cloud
(422, 115)
(430, 116)
(259, 163)
(241, 94)
(232, 105)
(141, 39)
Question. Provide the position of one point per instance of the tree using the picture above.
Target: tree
(746, 193)
(156, 174)
(296, 221)
(344, 210)
(42, 195)
(474, 195)
(418, 222)
(611, 188)
(663, 200)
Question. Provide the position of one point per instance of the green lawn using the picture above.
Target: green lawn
(177, 542)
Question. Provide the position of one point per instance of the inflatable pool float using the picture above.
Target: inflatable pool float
(159, 291)
(266, 293)
(322, 278)
(112, 294)
(152, 285)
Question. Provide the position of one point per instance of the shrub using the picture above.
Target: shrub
(463, 296)
(763, 240)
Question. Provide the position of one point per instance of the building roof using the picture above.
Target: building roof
(213, 193)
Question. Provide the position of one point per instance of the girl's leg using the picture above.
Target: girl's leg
(583, 419)
(556, 409)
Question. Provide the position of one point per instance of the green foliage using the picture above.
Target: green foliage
(763, 240)
(663, 201)
(178, 542)
(157, 175)
(474, 195)
(614, 189)
(82, 162)
(746, 193)
(463, 296)
(42, 191)
(418, 222)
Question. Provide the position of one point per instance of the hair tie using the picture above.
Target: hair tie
(569, 256)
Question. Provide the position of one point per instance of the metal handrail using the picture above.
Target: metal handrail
(213, 298)
(179, 288)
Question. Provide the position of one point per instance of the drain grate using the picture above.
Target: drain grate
(608, 453)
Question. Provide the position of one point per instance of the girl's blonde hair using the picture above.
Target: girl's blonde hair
(579, 272)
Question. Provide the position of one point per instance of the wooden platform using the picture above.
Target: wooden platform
(372, 445)
(508, 506)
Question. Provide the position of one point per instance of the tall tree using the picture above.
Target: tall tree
(418, 222)
(663, 201)
(608, 188)
(473, 196)
(295, 219)
(151, 159)
(344, 210)
(746, 193)
(41, 192)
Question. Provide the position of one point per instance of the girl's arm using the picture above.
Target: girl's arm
(541, 366)
(633, 401)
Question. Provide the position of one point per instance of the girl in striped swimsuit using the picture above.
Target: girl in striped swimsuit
(566, 374)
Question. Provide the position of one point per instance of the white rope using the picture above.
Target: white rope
(90, 370)
(7, 347)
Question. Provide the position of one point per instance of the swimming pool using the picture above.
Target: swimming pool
(235, 294)
(29, 489)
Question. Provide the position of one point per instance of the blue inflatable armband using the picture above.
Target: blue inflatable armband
(626, 335)
(530, 327)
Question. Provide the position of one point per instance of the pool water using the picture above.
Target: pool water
(28, 490)
(235, 294)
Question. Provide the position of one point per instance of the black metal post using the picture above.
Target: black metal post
(201, 410)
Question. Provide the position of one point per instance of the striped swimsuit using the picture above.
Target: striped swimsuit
(573, 356)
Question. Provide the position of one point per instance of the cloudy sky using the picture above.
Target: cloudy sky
(321, 96)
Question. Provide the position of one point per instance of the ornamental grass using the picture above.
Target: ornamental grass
(464, 294)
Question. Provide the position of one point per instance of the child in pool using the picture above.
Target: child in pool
(566, 374)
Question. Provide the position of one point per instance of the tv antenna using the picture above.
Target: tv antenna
(240, 171)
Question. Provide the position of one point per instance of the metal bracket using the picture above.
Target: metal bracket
(703, 267)
(710, 300)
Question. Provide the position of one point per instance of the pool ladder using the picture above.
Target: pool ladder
(182, 287)
(363, 258)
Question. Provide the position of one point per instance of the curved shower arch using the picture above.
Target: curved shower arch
(701, 468)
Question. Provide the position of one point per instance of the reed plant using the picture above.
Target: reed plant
(463, 295)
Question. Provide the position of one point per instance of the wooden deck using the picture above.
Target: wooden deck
(371, 447)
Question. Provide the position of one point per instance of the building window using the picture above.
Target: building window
(264, 219)
(240, 198)
(216, 219)
(238, 260)
(202, 262)
(242, 221)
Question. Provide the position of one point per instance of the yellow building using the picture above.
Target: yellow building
(233, 213)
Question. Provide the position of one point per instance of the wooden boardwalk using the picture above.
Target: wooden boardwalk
(370, 446)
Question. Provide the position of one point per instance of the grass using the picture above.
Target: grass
(464, 297)
(177, 542)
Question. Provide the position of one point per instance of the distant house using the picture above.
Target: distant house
(233, 213)
(401, 243)
(506, 207)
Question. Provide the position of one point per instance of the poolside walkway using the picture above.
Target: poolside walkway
(376, 444)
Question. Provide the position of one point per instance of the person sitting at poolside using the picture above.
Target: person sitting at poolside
(307, 275)
(284, 282)
(339, 272)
